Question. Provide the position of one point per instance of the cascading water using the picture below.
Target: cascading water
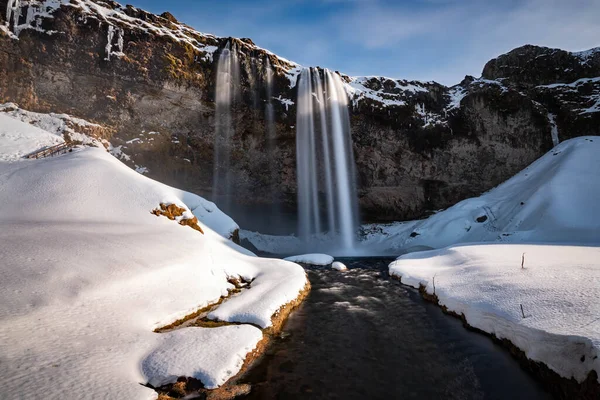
(325, 157)
(226, 97)
(269, 110)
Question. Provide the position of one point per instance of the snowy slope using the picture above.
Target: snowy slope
(558, 288)
(17, 139)
(88, 274)
(63, 125)
(546, 219)
(553, 200)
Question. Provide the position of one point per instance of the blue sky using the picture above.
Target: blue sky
(441, 40)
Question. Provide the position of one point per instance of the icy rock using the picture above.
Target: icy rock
(339, 266)
(313, 259)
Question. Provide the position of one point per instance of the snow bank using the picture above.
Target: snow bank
(558, 289)
(339, 266)
(206, 354)
(274, 283)
(554, 200)
(313, 259)
(88, 273)
(273, 244)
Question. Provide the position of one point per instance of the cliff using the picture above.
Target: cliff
(419, 146)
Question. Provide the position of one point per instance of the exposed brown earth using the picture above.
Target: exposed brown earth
(172, 211)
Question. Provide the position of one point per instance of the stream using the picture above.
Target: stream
(361, 335)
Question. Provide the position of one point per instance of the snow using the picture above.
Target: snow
(17, 139)
(88, 273)
(358, 91)
(206, 354)
(482, 81)
(585, 55)
(273, 244)
(273, 285)
(456, 93)
(572, 85)
(118, 152)
(313, 259)
(595, 106)
(551, 201)
(558, 289)
(57, 124)
(339, 266)
(286, 102)
(292, 74)
(546, 218)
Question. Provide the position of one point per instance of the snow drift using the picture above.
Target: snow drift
(554, 200)
(88, 273)
(535, 279)
(558, 290)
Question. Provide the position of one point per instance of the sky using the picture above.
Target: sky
(440, 40)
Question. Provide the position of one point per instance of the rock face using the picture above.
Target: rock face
(419, 146)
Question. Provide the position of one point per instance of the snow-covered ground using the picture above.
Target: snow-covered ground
(57, 124)
(88, 273)
(529, 270)
(558, 288)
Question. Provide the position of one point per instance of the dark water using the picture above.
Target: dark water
(360, 335)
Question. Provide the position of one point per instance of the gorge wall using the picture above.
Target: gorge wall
(419, 146)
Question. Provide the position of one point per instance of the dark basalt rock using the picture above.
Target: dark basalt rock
(419, 146)
(529, 66)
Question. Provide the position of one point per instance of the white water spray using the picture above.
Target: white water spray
(327, 163)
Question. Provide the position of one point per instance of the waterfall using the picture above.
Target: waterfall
(325, 157)
(269, 111)
(226, 97)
